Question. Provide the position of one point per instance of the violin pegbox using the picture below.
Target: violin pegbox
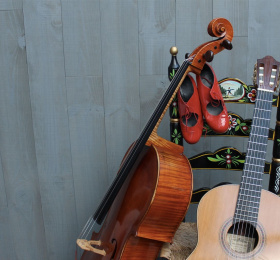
(266, 74)
(220, 28)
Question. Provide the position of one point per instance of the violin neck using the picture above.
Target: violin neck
(133, 156)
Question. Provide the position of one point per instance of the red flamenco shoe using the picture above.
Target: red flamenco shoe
(211, 100)
(191, 119)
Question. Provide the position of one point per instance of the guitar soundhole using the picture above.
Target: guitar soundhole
(242, 237)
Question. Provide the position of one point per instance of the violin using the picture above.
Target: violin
(151, 192)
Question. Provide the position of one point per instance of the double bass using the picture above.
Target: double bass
(151, 192)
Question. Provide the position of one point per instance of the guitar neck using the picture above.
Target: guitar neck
(251, 184)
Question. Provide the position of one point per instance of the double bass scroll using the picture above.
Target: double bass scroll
(151, 193)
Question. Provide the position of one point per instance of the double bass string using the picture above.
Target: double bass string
(140, 138)
(149, 127)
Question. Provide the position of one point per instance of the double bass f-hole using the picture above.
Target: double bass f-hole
(139, 213)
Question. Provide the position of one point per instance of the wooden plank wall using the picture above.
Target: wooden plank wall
(79, 80)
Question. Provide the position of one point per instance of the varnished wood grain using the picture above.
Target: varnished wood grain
(217, 207)
(151, 211)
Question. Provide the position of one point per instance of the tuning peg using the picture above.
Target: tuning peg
(209, 56)
(227, 44)
(277, 86)
(187, 55)
(254, 77)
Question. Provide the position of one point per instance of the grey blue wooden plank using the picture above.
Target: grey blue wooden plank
(236, 12)
(8, 5)
(45, 60)
(81, 34)
(88, 144)
(192, 19)
(7, 246)
(156, 35)
(120, 63)
(152, 88)
(263, 36)
(22, 213)
(233, 63)
(96, 70)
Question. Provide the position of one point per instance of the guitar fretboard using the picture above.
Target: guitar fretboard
(248, 200)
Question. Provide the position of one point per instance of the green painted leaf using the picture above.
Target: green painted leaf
(213, 159)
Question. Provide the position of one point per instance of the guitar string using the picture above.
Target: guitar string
(239, 202)
(265, 131)
(262, 136)
(259, 112)
(90, 223)
(252, 172)
(257, 170)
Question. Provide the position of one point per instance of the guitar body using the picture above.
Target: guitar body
(215, 213)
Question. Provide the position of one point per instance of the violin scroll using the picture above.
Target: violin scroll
(218, 27)
(221, 28)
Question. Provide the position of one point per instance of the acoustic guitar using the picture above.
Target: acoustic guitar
(243, 221)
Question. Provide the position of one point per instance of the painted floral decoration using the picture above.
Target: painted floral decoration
(232, 122)
(252, 95)
(245, 129)
(174, 107)
(172, 74)
(226, 159)
(176, 136)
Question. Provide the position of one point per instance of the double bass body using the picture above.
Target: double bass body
(149, 207)
(152, 190)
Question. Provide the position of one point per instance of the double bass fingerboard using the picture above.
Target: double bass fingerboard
(138, 146)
